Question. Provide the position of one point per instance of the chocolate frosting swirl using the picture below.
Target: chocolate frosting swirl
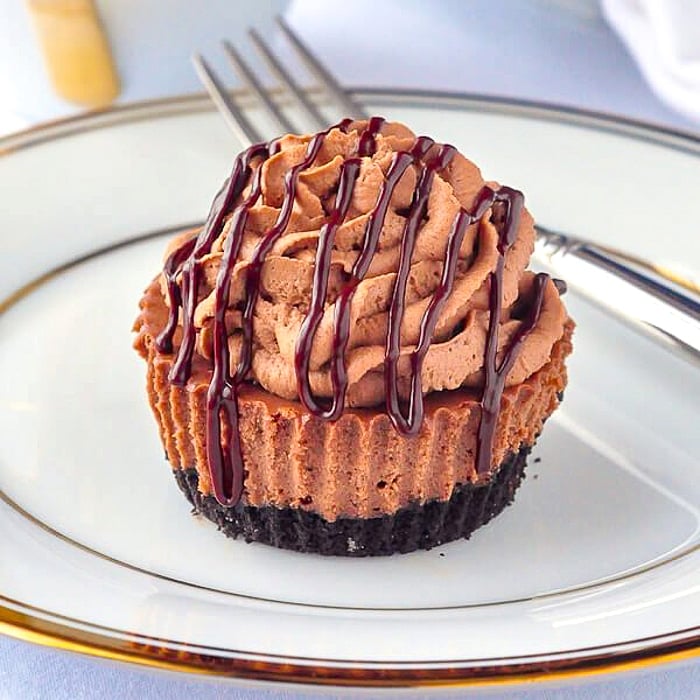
(456, 355)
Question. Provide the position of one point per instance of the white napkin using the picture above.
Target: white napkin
(664, 38)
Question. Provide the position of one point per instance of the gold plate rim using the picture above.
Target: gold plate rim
(154, 653)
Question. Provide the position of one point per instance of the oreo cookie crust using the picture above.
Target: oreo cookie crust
(415, 526)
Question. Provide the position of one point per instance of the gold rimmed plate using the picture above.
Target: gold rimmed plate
(595, 565)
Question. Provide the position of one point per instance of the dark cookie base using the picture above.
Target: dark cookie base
(416, 526)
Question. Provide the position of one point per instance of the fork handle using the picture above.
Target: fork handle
(641, 297)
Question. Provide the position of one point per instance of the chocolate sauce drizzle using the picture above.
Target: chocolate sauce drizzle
(182, 272)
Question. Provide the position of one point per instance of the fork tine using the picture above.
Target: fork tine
(350, 107)
(283, 76)
(236, 120)
(282, 123)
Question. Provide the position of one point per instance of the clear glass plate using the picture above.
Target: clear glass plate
(595, 564)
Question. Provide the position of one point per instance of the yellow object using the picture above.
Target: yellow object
(75, 50)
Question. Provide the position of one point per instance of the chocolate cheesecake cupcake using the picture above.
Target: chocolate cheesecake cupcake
(350, 356)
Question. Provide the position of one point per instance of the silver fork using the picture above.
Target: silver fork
(645, 296)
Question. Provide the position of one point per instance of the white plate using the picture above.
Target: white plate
(597, 564)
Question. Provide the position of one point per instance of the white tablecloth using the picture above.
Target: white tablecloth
(560, 52)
